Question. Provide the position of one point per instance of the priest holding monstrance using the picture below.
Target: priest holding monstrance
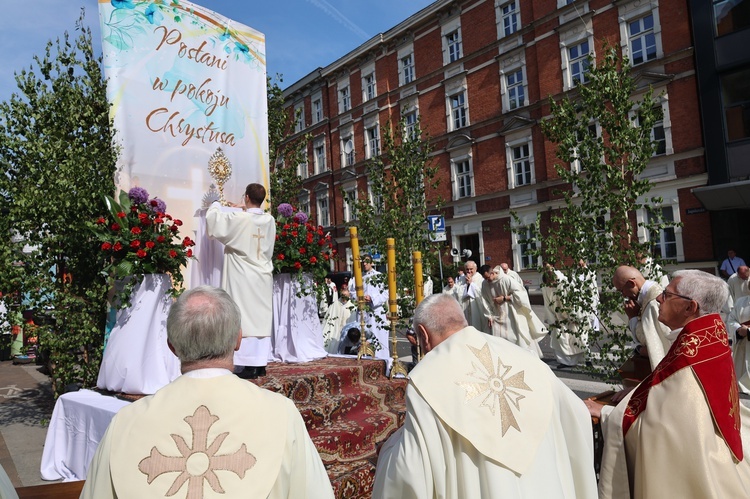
(248, 237)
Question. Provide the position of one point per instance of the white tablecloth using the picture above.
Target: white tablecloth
(77, 425)
(137, 358)
(297, 333)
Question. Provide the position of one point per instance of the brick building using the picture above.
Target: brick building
(478, 73)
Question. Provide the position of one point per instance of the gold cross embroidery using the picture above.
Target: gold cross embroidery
(258, 236)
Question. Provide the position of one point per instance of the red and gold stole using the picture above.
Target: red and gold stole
(703, 346)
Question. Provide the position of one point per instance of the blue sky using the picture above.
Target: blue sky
(301, 35)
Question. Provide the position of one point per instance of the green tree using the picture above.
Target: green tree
(604, 143)
(58, 157)
(400, 181)
(283, 154)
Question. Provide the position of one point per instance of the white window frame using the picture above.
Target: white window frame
(372, 141)
(323, 208)
(508, 15)
(319, 156)
(299, 117)
(578, 60)
(563, 3)
(377, 203)
(458, 110)
(634, 11)
(369, 82)
(344, 92)
(316, 108)
(407, 73)
(303, 201)
(351, 158)
(350, 203)
(510, 147)
(573, 38)
(575, 164)
(510, 64)
(463, 181)
(410, 124)
(670, 198)
(524, 261)
(666, 125)
(452, 51)
(303, 168)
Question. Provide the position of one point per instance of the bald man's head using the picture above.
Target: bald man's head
(628, 281)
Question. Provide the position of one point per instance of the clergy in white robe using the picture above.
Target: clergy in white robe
(567, 338)
(453, 289)
(376, 308)
(208, 433)
(484, 419)
(738, 328)
(739, 286)
(471, 301)
(680, 432)
(342, 311)
(248, 236)
(512, 273)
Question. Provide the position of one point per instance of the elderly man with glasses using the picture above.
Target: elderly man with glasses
(678, 434)
(642, 308)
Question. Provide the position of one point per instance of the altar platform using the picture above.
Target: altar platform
(349, 407)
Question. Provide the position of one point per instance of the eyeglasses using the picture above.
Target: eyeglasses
(666, 293)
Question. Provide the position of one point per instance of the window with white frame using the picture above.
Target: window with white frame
(576, 165)
(299, 117)
(578, 62)
(376, 200)
(350, 203)
(319, 156)
(345, 99)
(453, 45)
(526, 245)
(658, 135)
(407, 68)
(347, 149)
(317, 110)
(369, 87)
(303, 202)
(458, 110)
(663, 240)
(324, 214)
(521, 158)
(642, 40)
(510, 18)
(372, 139)
(516, 89)
(410, 125)
(463, 178)
(302, 170)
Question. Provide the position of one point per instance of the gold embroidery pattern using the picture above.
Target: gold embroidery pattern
(200, 462)
(498, 387)
(734, 405)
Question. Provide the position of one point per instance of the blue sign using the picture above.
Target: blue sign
(436, 223)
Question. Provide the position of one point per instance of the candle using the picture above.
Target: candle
(392, 289)
(418, 285)
(356, 265)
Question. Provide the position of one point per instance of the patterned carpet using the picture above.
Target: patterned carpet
(350, 407)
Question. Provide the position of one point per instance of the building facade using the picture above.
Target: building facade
(478, 74)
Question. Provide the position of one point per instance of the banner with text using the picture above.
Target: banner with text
(184, 81)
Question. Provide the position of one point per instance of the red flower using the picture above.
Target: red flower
(172, 253)
(295, 225)
(101, 221)
(106, 246)
(313, 260)
(145, 222)
(325, 256)
(277, 237)
(177, 222)
(135, 230)
(121, 214)
(174, 228)
(280, 256)
(158, 220)
(321, 242)
(334, 252)
(283, 233)
(286, 227)
(153, 202)
(117, 246)
(297, 265)
(141, 216)
(295, 233)
(288, 242)
(160, 239)
(330, 245)
(189, 252)
(141, 254)
(168, 217)
(150, 244)
(187, 242)
(302, 251)
(133, 209)
(115, 227)
(309, 238)
(135, 244)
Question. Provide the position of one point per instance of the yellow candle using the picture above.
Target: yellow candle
(392, 290)
(354, 241)
(418, 285)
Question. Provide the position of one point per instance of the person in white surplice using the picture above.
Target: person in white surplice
(376, 305)
(208, 433)
(248, 237)
(484, 418)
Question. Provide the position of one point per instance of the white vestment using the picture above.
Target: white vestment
(207, 437)
(646, 328)
(471, 302)
(567, 342)
(339, 314)
(515, 320)
(455, 292)
(376, 319)
(512, 273)
(248, 238)
(486, 419)
(738, 288)
(741, 350)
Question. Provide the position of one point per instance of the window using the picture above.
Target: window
(350, 200)
(319, 155)
(578, 62)
(317, 110)
(521, 164)
(376, 200)
(576, 165)
(516, 89)
(302, 170)
(731, 16)
(299, 117)
(345, 100)
(453, 43)
(369, 87)
(464, 179)
(642, 40)
(510, 18)
(735, 97)
(407, 69)
(663, 241)
(526, 245)
(303, 202)
(410, 126)
(324, 216)
(373, 141)
(458, 110)
(347, 150)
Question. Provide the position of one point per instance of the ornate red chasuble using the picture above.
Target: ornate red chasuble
(702, 345)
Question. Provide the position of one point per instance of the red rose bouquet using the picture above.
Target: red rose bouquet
(301, 247)
(141, 238)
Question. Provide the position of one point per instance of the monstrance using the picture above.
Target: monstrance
(220, 169)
